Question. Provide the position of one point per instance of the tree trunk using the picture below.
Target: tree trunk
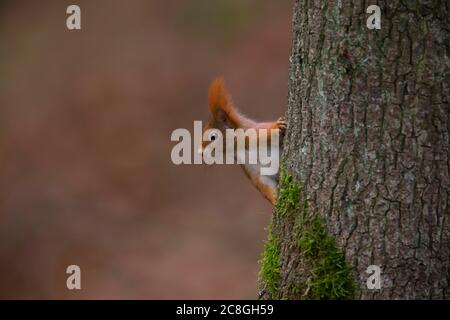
(366, 155)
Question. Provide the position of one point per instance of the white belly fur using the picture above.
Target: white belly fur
(255, 170)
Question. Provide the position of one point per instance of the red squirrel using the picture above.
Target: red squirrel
(224, 115)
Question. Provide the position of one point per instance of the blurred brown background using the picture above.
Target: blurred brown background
(85, 123)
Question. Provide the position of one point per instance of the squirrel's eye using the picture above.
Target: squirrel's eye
(213, 136)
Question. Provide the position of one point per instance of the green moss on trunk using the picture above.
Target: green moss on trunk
(329, 275)
(270, 265)
(288, 196)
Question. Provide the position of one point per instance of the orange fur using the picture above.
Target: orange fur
(268, 192)
(224, 115)
(219, 98)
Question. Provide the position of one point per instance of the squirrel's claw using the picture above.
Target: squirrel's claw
(281, 125)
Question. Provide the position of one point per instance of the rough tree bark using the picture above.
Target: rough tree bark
(366, 155)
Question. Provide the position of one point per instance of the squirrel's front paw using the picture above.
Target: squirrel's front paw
(281, 125)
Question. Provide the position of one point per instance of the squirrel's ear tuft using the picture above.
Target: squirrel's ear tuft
(219, 102)
(218, 96)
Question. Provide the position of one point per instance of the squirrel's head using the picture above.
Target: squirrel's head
(221, 113)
